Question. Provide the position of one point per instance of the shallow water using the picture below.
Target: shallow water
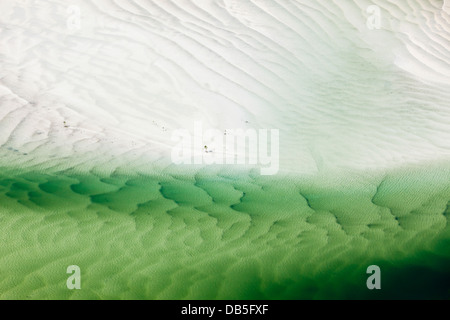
(91, 94)
(171, 236)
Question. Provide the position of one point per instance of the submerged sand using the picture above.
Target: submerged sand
(223, 236)
(91, 93)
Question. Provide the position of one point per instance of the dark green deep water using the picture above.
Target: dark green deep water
(223, 236)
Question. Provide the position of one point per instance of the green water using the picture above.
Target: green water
(223, 236)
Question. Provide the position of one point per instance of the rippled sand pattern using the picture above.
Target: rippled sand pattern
(223, 236)
(91, 93)
(341, 95)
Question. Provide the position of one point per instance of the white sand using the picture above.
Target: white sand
(115, 89)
